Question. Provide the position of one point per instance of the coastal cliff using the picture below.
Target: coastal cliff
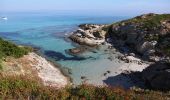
(146, 37)
(147, 34)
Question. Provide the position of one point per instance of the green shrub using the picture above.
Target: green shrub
(10, 49)
(1, 67)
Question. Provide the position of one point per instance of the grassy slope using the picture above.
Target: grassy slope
(12, 50)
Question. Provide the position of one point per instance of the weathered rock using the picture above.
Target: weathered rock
(145, 46)
(157, 76)
(77, 50)
(128, 59)
(81, 41)
(132, 54)
(89, 34)
(99, 33)
(154, 58)
(89, 26)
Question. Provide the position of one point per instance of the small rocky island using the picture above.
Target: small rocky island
(89, 34)
(146, 37)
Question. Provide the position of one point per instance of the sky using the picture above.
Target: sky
(119, 7)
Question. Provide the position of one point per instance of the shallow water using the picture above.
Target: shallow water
(49, 32)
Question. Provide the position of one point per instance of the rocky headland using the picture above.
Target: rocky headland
(147, 34)
(144, 40)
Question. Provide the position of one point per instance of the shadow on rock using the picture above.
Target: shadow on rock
(125, 80)
(157, 76)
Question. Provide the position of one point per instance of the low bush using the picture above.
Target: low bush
(23, 88)
(10, 49)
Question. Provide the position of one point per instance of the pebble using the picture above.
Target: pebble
(105, 74)
(83, 77)
(108, 71)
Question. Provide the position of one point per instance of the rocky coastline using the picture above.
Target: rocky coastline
(143, 40)
(142, 43)
(36, 67)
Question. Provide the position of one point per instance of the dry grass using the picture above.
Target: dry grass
(23, 87)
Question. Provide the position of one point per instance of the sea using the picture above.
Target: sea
(49, 32)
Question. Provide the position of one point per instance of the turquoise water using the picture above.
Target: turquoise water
(49, 31)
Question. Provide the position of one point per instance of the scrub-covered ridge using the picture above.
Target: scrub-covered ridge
(147, 34)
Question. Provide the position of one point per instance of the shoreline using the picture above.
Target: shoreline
(118, 75)
(100, 80)
(94, 38)
(35, 66)
(51, 76)
(129, 64)
(56, 65)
